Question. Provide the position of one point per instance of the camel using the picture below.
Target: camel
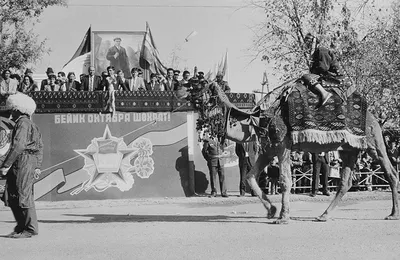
(241, 131)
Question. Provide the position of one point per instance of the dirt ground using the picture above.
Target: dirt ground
(207, 228)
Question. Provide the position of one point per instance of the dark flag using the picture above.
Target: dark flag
(80, 61)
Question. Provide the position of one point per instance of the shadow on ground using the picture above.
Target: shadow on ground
(109, 218)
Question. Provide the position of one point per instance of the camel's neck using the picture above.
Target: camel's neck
(223, 97)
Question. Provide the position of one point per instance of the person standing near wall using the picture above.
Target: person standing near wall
(22, 165)
(242, 152)
(212, 152)
(320, 165)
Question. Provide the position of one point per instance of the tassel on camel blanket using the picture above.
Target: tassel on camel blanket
(327, 137)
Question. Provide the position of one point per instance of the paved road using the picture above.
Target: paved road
(206, 228)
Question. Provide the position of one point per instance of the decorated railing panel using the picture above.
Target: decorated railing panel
(126, 101)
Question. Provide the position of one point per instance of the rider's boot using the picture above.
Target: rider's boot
(325, 95)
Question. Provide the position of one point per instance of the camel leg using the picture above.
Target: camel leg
(285, 179)
(377, 150)
(349, 159)
(391, 176)
(261, 162)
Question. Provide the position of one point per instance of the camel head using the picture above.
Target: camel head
(238, 128)
(225, 120)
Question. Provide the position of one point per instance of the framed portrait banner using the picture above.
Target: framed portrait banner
(120, 49)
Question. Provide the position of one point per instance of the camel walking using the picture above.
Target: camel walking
(243, 131)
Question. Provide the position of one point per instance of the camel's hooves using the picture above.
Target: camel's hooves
(281, 221)
(321, 219)
(272, 212)
(392, 217)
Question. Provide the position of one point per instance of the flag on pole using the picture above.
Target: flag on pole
(80, 61)
(209, 75)
(221, 66)
(149, 56)
(265, 82)
(265, 78)
(225, 72)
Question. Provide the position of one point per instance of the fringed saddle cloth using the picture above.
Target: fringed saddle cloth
(338, 121)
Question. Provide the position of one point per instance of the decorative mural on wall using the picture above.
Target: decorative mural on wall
(5, 143)
(108, 162)
(89, 156)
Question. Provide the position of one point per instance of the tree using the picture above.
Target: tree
(366, 46)
(19, 45)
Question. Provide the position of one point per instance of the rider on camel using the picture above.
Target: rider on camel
(324, 66)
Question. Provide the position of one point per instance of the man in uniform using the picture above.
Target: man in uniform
(22, 165)
(212, 151)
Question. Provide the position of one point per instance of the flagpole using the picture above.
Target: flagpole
(92, 47)
(263, 83)
(227, 67)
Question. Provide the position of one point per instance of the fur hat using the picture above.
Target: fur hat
(21, 102)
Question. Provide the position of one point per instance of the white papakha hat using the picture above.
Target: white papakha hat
(21, 102)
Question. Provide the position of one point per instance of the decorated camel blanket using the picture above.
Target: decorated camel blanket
(337, 121)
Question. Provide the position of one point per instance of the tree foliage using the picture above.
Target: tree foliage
(365, 42)
(19, 45)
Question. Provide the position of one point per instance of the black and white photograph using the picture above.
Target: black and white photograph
(213, 129)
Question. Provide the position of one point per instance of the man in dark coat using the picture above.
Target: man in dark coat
(246, 153)
(324, 66)
(320, 165)
(212, 151)
(22, 165)
(118, 57)
(91, 82)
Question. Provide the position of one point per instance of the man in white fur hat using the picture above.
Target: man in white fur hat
(22, 165)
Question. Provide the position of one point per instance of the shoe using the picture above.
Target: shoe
(23, 234)
(326, 193)
(224, 195)
(323, 101)
(313, 195)
(242, 193)
(12, 234)
(213, 194)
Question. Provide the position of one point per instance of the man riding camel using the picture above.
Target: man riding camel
(324, 66)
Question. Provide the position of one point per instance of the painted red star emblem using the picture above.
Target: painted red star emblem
(107, 161)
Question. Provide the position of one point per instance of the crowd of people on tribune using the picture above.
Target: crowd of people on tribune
(173, 81)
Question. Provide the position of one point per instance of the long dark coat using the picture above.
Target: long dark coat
(25, 155)
(121, 62)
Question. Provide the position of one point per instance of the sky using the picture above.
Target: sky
(221, 25)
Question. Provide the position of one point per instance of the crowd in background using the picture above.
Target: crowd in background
(311, 172)
(116, 80)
